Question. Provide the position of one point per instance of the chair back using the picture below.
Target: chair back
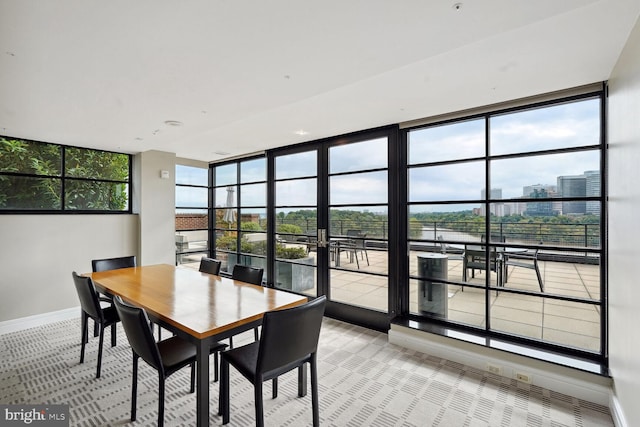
(290, 335)
(113, 263)
(247, 274)
(136, 326)
(210, 265)
(88, 296)
(477, 258)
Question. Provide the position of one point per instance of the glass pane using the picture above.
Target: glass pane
(253, 170)
(30, 193)
(253, 195)
(297, 275)
(360, 290)
(225, 196)
(428, 298)
(302, 192)
(253, 242)
(191, 219)
(462, 181)
(368, 187)
(370, 222)
(302, 222)
(349, 158)
(226, 174)
(30, 157)
(196, 197)
(190, 175)
(461, 140)
(567, 323)
(92, 195)
(192, 241)
(448, 223)
(83, 163)
(253, 219)
(541, 223)
(226, 218)
(573, 124)
(560, 175)
(297, 165)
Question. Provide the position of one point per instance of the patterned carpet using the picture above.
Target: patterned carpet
(364, 381)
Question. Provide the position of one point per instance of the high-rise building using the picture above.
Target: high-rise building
(540, 191)
(593, 190)
(495, 208)
(573, 186)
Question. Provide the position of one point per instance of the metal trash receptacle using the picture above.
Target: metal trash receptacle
(433, 297)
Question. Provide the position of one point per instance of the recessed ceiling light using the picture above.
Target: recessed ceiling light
(173, 123)
(457, 7)
(301, 132)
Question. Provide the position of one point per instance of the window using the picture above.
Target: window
(240, 213)
(192, 215)
(42, 177)
(505, 224)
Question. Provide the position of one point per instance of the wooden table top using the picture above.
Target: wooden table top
(200, 304)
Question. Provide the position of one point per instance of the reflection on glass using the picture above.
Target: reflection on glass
(351, 287)
(253, 170)
(368, 187)
(297, 275)
(253, 194)
(226, 174)
(189, 175)
(559, 175)
(302, 192)
(350, 158)
(460, 140)
(572, 124)
(460, 181)
(296, 165)
(192, 197)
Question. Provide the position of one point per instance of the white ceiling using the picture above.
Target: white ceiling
(244, 76)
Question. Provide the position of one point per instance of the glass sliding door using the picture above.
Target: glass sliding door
(296, 222)
(359, 223)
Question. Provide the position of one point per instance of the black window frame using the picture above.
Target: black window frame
(64, 179)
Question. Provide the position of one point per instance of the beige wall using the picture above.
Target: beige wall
(39, 252)
(624, 233)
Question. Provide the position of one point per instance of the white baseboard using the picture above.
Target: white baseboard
(551, 379)
(36, 320)
(616, 412)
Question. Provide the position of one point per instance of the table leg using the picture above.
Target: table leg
(202, 391)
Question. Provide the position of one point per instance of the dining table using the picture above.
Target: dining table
(199, 307)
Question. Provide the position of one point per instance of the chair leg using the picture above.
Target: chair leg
(314, 392)
(274, 388)
(161, 380)
(223, 400)
(134, 387)
(85, 337)
(215, 366)
(535, 265)
(302, 380)
(230, 342)
(100, 351)
(113, 335)
(96, 329)
(257, 387)
(255, 334)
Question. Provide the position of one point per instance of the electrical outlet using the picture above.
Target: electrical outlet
(494, 369)
(522, 377)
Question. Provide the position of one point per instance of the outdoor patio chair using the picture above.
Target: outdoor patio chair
(528, 259)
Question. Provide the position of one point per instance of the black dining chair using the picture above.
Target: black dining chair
(210, 266)
(289, 340)
(167, 356)
(253, 275)
(91, 309)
